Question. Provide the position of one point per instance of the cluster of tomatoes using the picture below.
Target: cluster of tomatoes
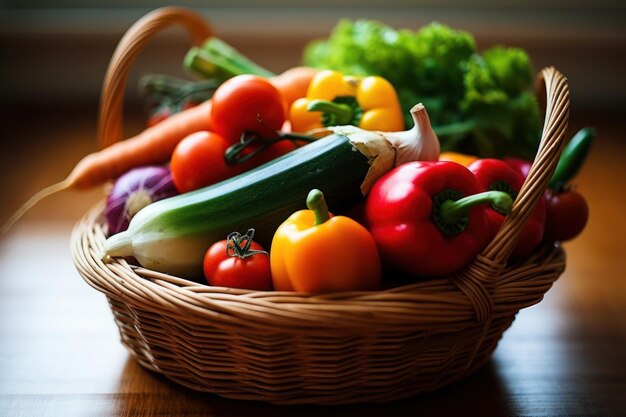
(245, 103)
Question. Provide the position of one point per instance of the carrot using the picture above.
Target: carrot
(154, 145)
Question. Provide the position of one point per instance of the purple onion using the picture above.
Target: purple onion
(133, 191)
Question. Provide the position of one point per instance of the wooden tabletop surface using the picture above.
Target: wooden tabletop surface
(60, 353)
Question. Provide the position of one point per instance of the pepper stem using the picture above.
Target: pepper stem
(315, 201)
(451, 211)
(343, 113)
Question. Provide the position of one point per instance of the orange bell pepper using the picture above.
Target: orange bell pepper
(314, 252)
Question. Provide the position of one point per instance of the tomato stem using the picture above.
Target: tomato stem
(233, 154)
(239, 245)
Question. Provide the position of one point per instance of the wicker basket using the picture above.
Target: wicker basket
(293, 348)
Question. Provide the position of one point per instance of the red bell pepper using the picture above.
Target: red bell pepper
(520, 165)
(430, 218)
(495, 174)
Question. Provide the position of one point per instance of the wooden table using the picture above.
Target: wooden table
(60, 353)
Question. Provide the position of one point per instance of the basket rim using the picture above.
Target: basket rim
(433, 304)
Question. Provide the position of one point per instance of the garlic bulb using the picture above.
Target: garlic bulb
(386, 150)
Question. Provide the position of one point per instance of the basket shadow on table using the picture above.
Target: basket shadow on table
(483, 393)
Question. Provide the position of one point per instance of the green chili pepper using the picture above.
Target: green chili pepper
(572, 158)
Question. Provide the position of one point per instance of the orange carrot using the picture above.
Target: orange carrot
(152, 146)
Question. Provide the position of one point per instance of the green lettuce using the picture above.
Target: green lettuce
(479, 103)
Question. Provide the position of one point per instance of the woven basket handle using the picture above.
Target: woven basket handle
(137, 36)
(474, 281)
(552, 89)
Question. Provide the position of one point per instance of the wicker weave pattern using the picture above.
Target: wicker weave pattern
(293, 348)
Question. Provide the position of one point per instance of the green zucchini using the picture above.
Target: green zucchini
(172, 235)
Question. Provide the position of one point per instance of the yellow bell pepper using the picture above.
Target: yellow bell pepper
(459, 158)
(314, 252)
(332, 99)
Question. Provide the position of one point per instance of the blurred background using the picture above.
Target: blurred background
(54, 54)
(57, 50)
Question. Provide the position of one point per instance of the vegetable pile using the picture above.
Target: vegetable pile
(480, 103)
(416, 141)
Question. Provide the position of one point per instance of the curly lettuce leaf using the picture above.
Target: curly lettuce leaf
(497, 99)
(478, 102)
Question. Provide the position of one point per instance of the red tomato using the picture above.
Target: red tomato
(247, 103)
(198, 161)
(225, 270)
(567, 215)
